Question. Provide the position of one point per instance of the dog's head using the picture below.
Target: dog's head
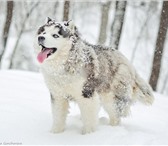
(52, 38)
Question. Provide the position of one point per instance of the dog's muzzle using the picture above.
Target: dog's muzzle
(45, 51)
(41, 40)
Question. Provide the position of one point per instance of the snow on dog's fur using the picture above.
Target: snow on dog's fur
(91, 75)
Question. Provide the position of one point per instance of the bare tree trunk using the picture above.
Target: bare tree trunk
(159, 46)
(105, 7)
(66, 10)
(117, 25)
(20, 34)
(9, 15)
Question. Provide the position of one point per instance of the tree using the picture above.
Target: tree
(66, 10)
(9, 15)
(21, 32)
(159, 46)
(152, 8)
(105, 7)
(117, 25)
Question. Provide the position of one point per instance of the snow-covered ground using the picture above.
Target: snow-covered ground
(25, 117)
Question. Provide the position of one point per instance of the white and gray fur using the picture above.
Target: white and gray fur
(90, 75)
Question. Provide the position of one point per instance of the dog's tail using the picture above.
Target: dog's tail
(143, 91)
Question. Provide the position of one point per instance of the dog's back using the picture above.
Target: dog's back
(113, 64)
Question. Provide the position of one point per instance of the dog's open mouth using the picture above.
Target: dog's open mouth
(45, 53)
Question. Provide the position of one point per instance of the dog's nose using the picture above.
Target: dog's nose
(41, 39)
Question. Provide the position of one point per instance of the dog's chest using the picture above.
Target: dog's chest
(63, 83)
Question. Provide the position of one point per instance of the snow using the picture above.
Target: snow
(25, 117)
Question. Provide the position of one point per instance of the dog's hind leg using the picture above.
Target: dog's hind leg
(89, 108)
(122, 90)
(59, 112)
(116, 106)
(108, 103)
(117, 101)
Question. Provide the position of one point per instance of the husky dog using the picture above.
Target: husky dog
(90, 75)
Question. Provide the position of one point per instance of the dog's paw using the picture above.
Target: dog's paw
(114, 122)
(57, 130)
(87, 130)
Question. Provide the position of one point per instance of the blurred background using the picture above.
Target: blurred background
(136, 28)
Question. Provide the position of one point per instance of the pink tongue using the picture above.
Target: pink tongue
(43, 55)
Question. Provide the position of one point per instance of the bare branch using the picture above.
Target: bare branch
(21, 31)
(10, 6)
(141, 31)
(164, 83)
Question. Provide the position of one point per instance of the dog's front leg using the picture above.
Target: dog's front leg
(59, 113)
(89, 108)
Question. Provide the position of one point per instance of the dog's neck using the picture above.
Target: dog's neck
(80, 55)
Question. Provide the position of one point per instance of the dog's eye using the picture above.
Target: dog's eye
(55, 36)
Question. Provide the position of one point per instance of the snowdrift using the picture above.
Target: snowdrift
(25, 117)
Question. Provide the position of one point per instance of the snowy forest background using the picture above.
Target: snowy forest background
(136, 28)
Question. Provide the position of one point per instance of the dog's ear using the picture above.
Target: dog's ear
(48, 20)
(70, 25)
